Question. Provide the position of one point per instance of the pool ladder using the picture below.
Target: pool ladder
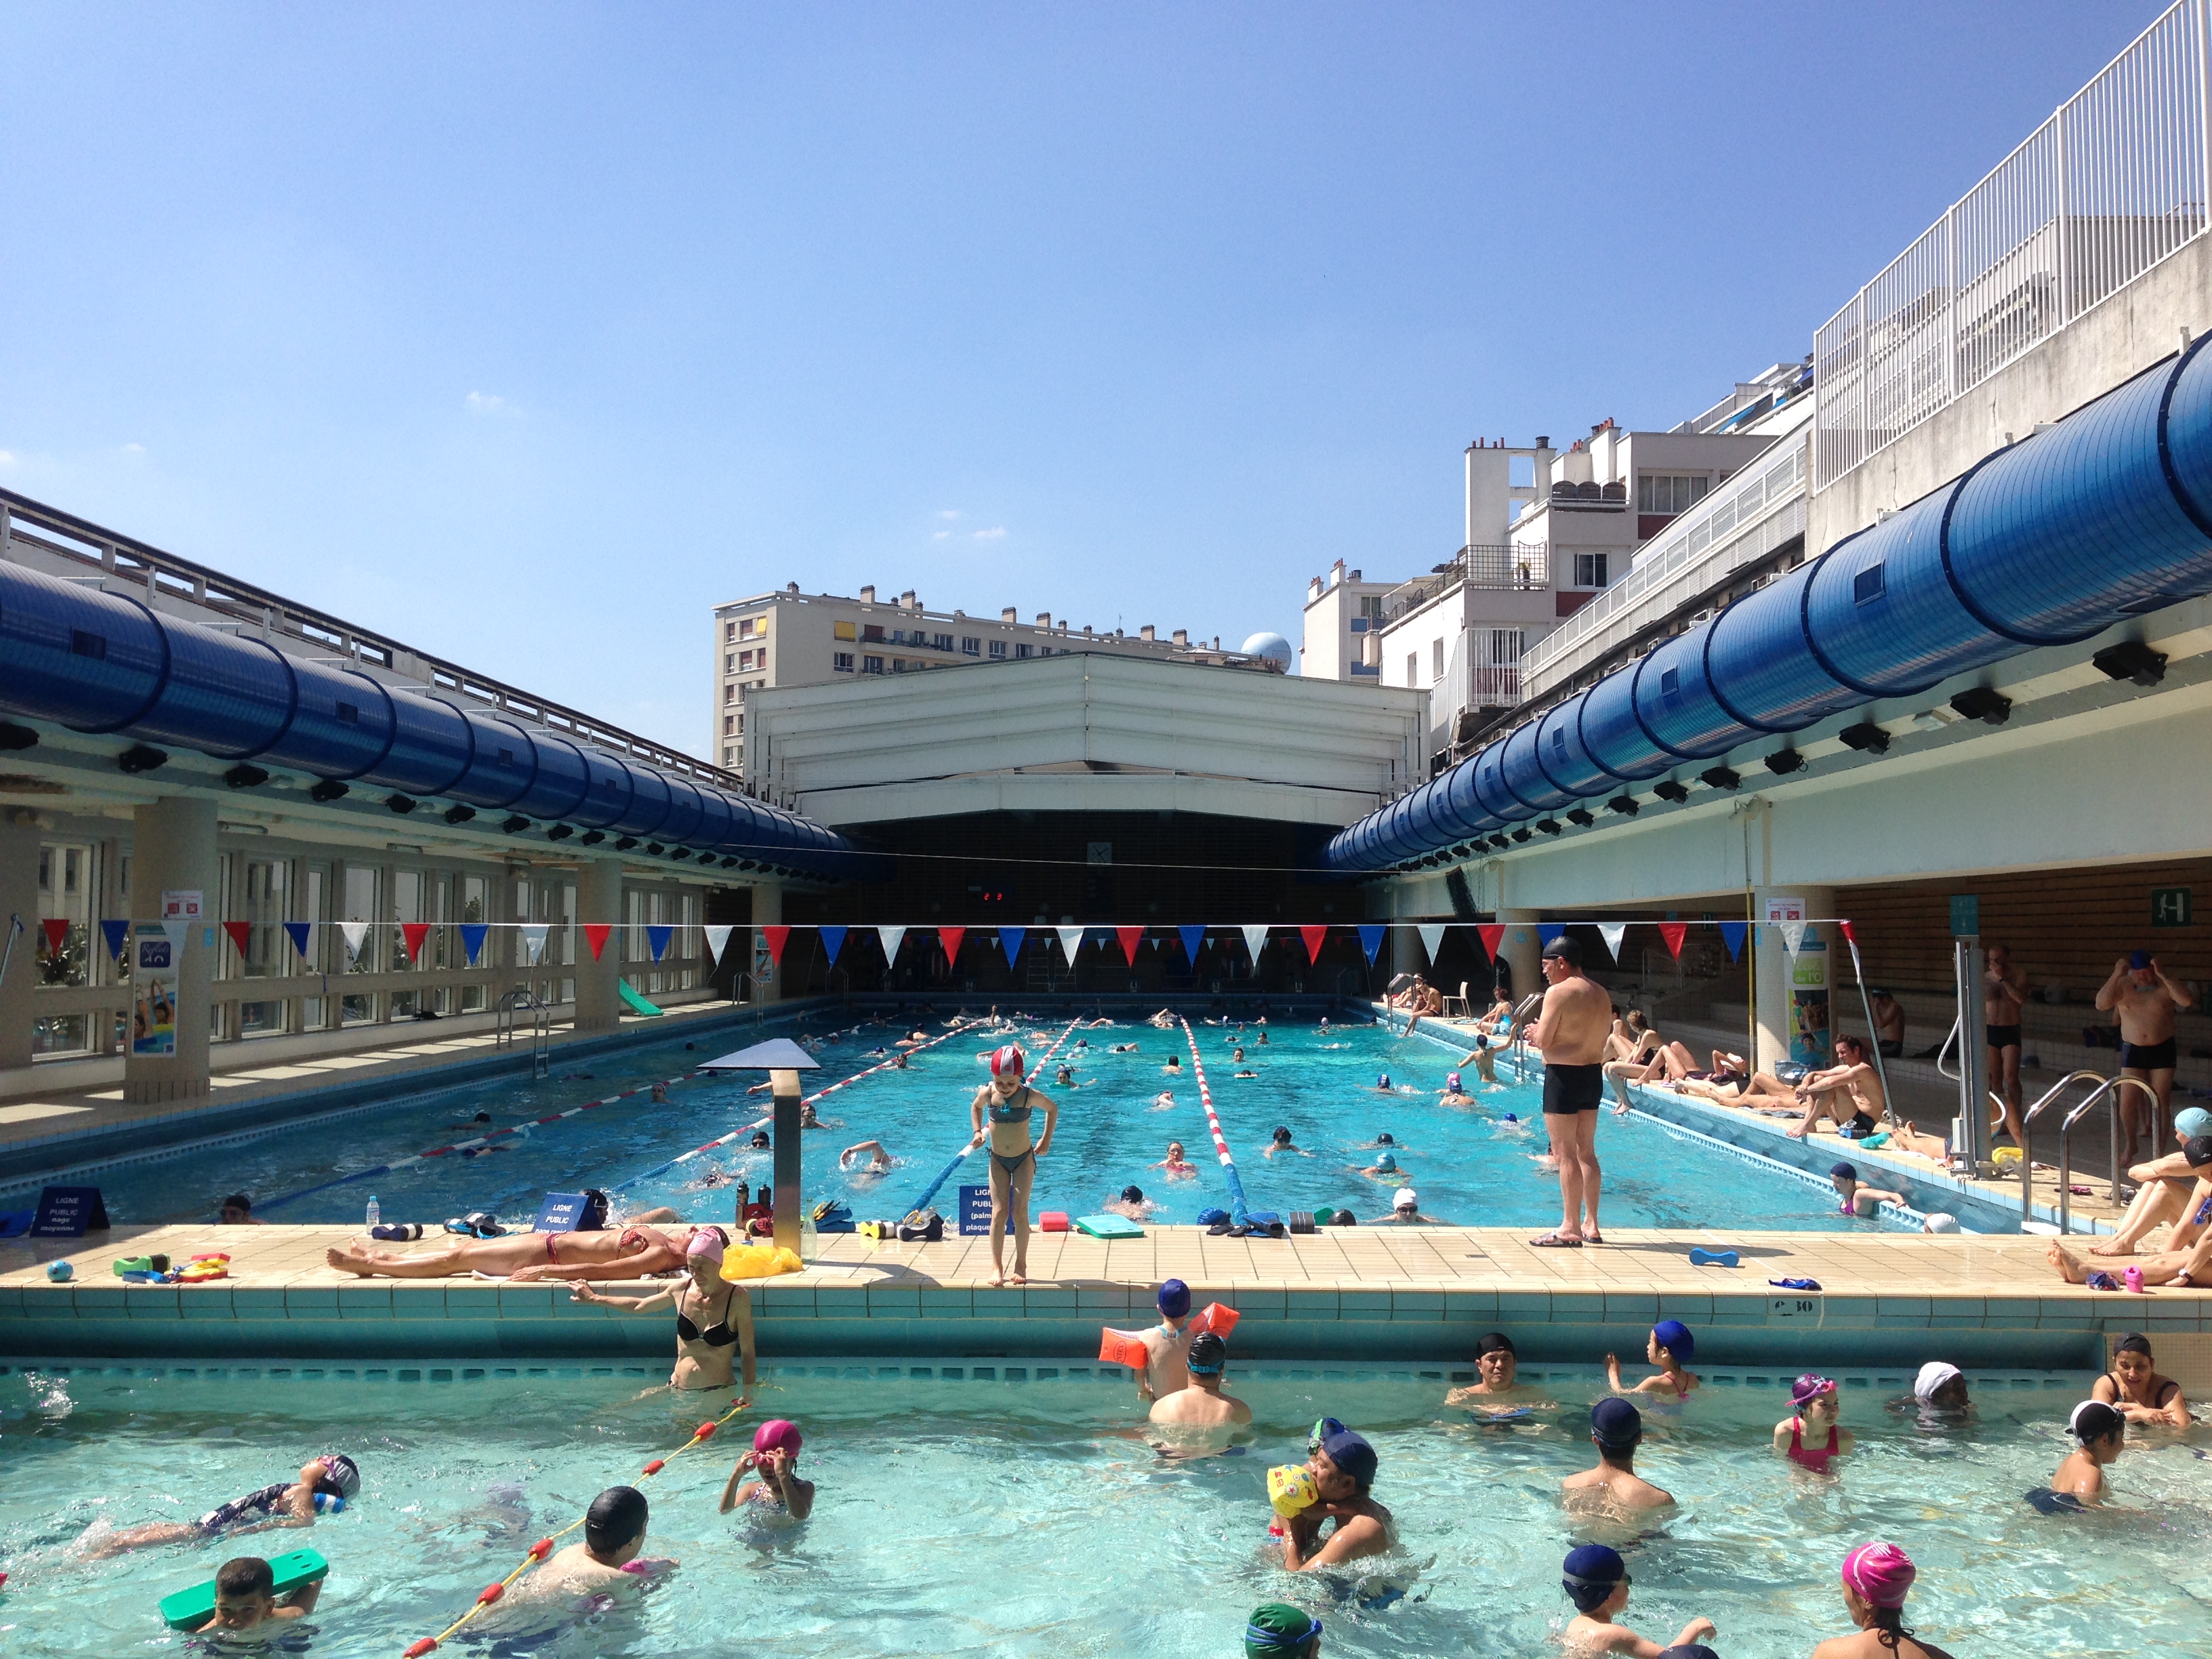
(516, 1006)
(1527, 1006)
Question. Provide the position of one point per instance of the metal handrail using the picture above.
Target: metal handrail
(1517, 1035)
(522, 998)
(2066, 1143)
(2027, 1129)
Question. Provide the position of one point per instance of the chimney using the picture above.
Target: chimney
(1146, 632)
(868, 594)
(1183, 639)
(1044, 619)
(1008, 614)
(907, 602)
(1086, 631)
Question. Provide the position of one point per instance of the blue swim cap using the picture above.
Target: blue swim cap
(2192, 1121)
(1674, 1336)
(1596, 1564)
(2139, 960)
(1848, 1172)
(1324, 1429)
(1385, 1161)
(1615, 1422)
(1352, 1455)
(1174, 1298)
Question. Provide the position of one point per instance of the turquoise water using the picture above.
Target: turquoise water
(1470, 1166)
(1007, 1510)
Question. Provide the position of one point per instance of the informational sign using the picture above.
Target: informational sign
(763, 961)
(2169, 907)
(68, 1212)
(1966, 915)
(974, 1213)
(1099, 852)
(153, 993)
(181, 906)
(1785, 907)
(1810, 1038)
(565, 1213)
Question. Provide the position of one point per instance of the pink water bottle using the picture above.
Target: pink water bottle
(2134, 1280)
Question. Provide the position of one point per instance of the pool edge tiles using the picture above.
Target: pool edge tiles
(1410, 1294)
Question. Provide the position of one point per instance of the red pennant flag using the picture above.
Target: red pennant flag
(240, 932)
(1674, 933)
(1493, 934)
(950, 937)
(774, 936)
(1131, 938)
(56, 929)
(1847, 934)
(1315, 938)
(415, 932)
(595, 935)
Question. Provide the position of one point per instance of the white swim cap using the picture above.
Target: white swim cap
(1939, 1222)
(1405, 1198)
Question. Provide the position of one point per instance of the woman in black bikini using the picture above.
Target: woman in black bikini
(1011, 1102)
(2135, 1388)
(702, 1349)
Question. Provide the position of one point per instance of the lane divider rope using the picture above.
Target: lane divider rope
(1240, 1211)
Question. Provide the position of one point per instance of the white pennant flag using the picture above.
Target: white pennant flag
(354, 933)
(718, 939)
(1432, 936)
(533, 939)
(1793, 936)
(1071, 941)
(890, 937)
(1255, 940)
(1613, 932)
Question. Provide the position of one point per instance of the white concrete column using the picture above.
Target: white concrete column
(1522, 949)
(172, 850)
(599, 899)
(768, 910)
(19, 897)
(1795, 1002)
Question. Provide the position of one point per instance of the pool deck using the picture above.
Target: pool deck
(1424, 1292)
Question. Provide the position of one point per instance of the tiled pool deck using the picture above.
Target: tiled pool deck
(1889, 1299)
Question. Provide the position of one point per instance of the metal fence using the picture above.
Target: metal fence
(2106, 188)
(1492, 566)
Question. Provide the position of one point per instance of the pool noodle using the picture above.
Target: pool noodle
(960, 1156)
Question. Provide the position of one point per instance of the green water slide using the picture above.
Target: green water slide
(636, 1001)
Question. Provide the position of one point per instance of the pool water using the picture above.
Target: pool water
(1008, 1510)
(1470, 1166)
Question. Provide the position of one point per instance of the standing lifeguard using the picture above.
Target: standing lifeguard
(1011, 1102)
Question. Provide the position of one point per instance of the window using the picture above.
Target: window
(1669, 492)
(1436, 664)
(729, 630)
(898, 636)
(1590, 570)
(729, 694)
(1371, 604)
(998, 647)
(872, 633)
(1412, 668)
(1025, 651)
(971, 647)
(741, 725)
(748, 627)
(729, 662)
(729, 757)
(729, 723)
(845, 630)
(1506, 645)
(872, 665)
(841, 662)
(940, 641)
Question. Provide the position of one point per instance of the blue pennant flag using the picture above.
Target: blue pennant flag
(1194, 941)
(1010, 941)
(472, 938)
(833, 940)
(112, 932)
(1732, 935)
(657, 936)
(1371, 939)
(1548, 931)
(297, 932)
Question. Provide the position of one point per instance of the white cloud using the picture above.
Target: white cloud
(939, 535)
(948, 514)
(991, 535)
(6, 459)
(134, 450)
(487, 403)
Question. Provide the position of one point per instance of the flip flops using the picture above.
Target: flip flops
(1703, 1258)
(1556, 1241)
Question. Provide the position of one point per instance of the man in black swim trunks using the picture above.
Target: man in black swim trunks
(2005, 993)
(2147, 1001)
(1571, 1034)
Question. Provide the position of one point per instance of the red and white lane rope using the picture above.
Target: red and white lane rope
(1213, 1124)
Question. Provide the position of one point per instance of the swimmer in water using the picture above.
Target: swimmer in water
(1174, 1066)
(2103, 1433)
(1452, 1094)
(1814, 1407)
(1484, 1059)
(1384, 1168)
(760, 1142)
(774, 1463)
(607, 1561)
(1670, 1346)
(332, 1476)
(1499, 1394)
(1123, 1048)
(245, 1598)
(660, 1093)
(1238, 1053)
(1344, 1468)
(879, 1161)
(1617, 1427)
(1065, 1078)
(1244, 1074)
(1596, 1581)
(1176, 1166)
(702, 1349)
(1131, 1203)
(1876, 1578)
(1164, 1101)
(1857, 1198)
(2136, 1390)
(1280, 1142)
(1202, 1408)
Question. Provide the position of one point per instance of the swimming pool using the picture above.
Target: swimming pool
(1471, 1167)
(992, 1508)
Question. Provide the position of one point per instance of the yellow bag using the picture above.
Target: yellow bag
(760, 1261)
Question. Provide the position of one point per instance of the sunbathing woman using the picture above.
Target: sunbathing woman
(635, 1252)
(702, 1351)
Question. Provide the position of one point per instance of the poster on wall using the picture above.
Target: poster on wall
(153, 993)
(1809, 1035)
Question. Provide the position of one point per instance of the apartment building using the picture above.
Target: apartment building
(790, 638)
(1343, 627)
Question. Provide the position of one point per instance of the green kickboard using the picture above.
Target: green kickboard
(635, 1000)
(1109, 1226)
(188, 1609)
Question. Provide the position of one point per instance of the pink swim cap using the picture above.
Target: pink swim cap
(1005, 1059)
(777, 1434)
(1879, 1573)
(706, 1241)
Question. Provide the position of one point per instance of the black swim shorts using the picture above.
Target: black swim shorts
(2148, 1056)
(2004, 1036)
(1571, 1089)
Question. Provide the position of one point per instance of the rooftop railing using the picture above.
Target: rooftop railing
(1500, 566)
(2112, 184)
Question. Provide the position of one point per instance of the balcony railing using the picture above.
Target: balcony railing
(1495, 567)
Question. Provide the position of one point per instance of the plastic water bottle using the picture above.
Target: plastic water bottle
(375, 1213)
(2133, 1279)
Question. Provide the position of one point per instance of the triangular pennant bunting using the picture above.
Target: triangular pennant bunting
(1493, 934)
(353, 933)
(595, 935)
(776, 937)
(657, 935)
(1732, 936)
(1316, 936)
(1847, 932)
(533, 941)
(1432, 939)
(1793, 936)
(1071, 941)
(718, 940)
(1255, 940)
(115, 931)
(241, 934)
(1548, 931)
(950, 937)
(1673, 932)
(1370, 939)
(1131, 938)
(415, 932)
(1193, 935)
(472, 940)
(56, 928)
(1010, 941)
(1612, 933)
(833, 941)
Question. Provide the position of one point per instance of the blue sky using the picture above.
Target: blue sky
(528, 333)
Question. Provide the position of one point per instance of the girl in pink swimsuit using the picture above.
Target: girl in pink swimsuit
(1810, 1436)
